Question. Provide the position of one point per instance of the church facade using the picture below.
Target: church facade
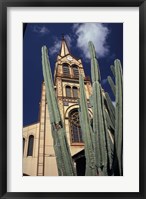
(38, 152)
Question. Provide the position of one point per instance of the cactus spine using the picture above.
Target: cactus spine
(63, 156)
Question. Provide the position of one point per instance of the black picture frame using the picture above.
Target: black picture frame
(4, 4)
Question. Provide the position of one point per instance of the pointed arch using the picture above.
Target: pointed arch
(75, 129)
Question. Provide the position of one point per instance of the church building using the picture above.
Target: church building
(38, 152)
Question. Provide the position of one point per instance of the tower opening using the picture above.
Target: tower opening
(75, 70)
(66, 69)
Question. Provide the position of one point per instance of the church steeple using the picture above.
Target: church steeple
(64, 48)
(67, 66)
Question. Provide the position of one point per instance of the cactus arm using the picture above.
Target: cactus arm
(111, 83)
(57, 116)
(87, 132)
(113, 70)
(109, 144)
(95, 73)
(52, 117)
(119, 115)
(61, 148)
(100, 146)
(111, 109)
(108, 120)
(99, 130)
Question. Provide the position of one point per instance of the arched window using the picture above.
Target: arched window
(30, 145)
(75, 91)
(75, 129)
(68, 91)
(66, 69)
(75, 70)
(23, 144)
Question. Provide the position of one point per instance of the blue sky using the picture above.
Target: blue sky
(108, 41)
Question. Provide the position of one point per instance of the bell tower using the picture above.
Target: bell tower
(66, 81)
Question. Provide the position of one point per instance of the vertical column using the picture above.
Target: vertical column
(41, 152)
(60, 95)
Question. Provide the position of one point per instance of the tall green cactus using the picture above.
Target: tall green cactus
(102, 147)
(63, 156)
(88, 135)
(107, 120)
(119, 115)
(118, 135)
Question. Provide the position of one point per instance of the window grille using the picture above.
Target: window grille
(75, 71)
(66, 69)
(75, 129)
(75, 92)
(68, 91)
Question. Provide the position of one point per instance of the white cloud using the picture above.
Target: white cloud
(68, 40)
(57, 45)
(42, 30)
(95, 32)
(75, 26)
